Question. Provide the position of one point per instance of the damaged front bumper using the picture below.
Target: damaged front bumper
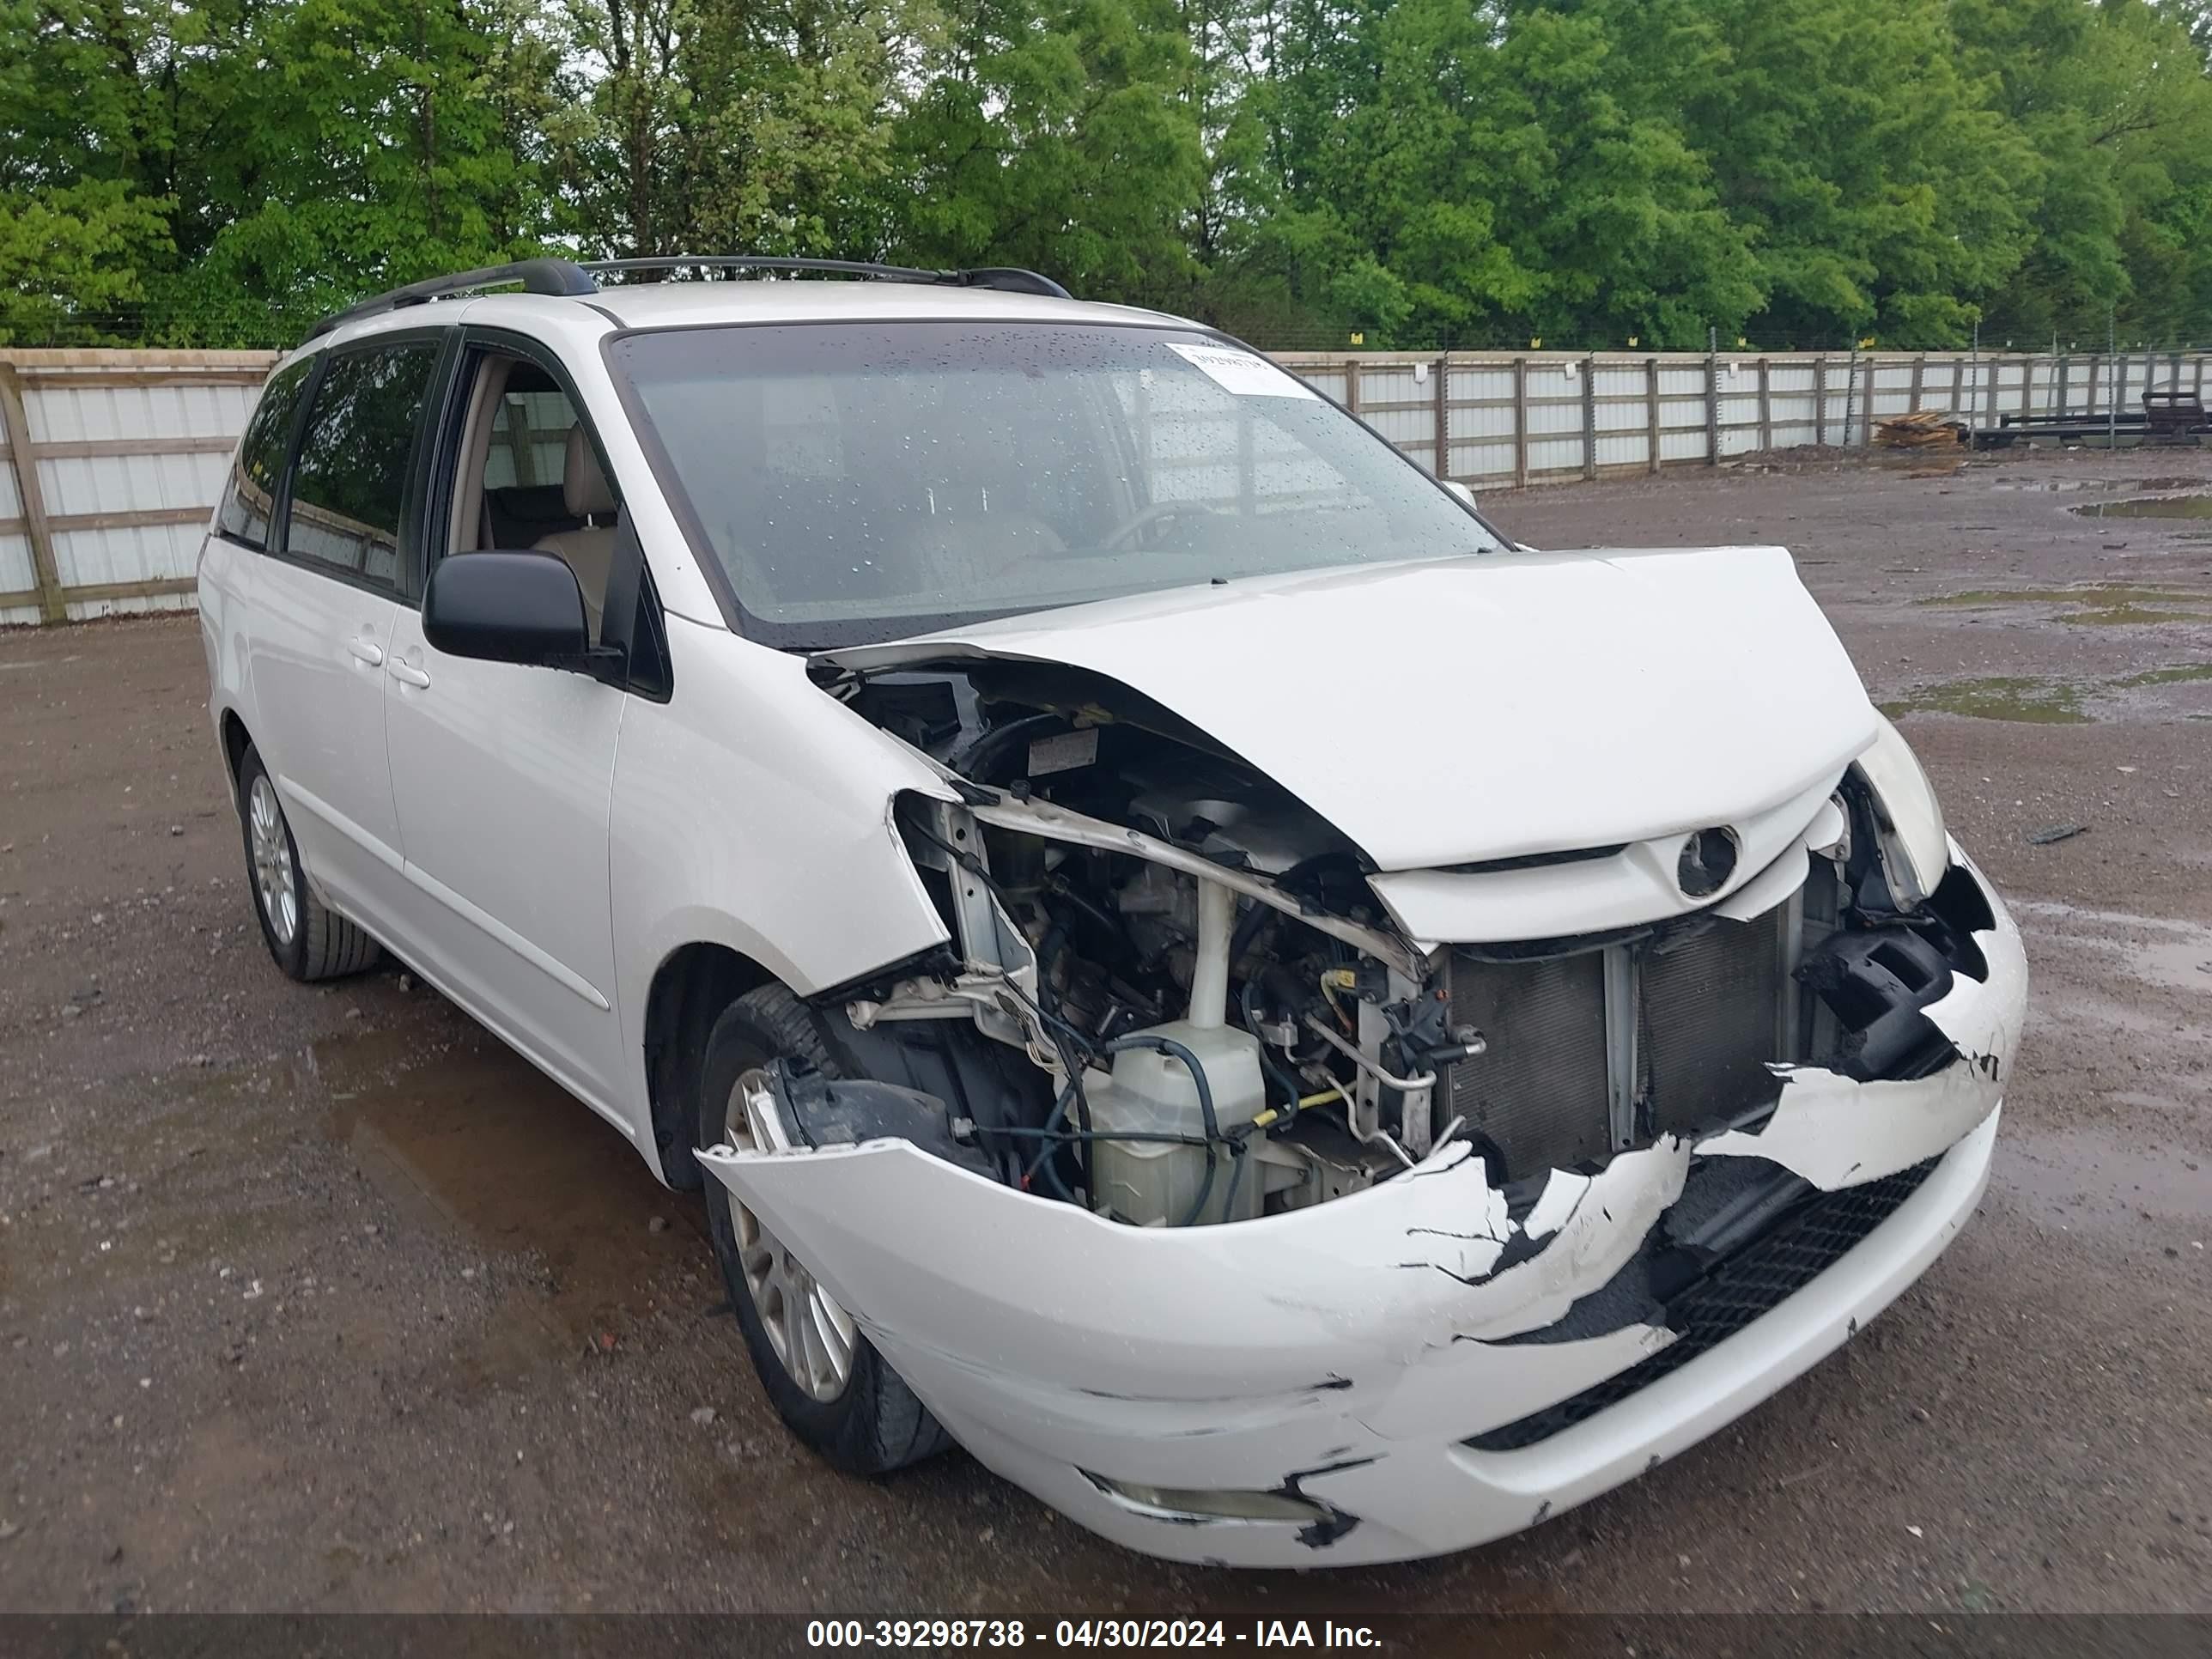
(1419, 1367)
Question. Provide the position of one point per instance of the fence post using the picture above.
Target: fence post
(1765, 409)
(1850, 394)
(1919, 375)
(1996, 378)
(1821, 401)
(2117, 367)
(1652, 412)
(520, 441)
(1519, 422)
(37, 529)
(2026, 389)
(1352, 384)
(1712, 409)
(1443, 415)
(1590, 416)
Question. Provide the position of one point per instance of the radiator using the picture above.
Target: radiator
(1683, 1042)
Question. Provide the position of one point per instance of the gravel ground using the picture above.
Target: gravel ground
(319, 1299)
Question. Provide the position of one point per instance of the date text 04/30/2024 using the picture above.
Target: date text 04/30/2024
(1086, 1633)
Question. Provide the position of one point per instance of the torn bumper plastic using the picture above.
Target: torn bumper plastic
(1343, 1356)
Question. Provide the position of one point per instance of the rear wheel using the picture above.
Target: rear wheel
(308, 940)
(825, 1379)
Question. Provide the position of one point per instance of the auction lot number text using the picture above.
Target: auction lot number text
(1085, 1633)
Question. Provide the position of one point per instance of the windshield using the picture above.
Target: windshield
(863, 481)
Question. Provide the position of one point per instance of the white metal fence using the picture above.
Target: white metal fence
(113, 459)
(113, 463)
(1519, 418)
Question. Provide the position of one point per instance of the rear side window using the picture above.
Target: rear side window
(250, 497)
(349, 483)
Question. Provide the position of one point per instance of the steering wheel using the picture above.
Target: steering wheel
(1157, 512)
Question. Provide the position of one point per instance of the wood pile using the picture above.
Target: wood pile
(1929, 429)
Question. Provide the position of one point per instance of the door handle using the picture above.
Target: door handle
(368, 650)
(407, 674)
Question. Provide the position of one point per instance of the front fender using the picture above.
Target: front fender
(752, 812)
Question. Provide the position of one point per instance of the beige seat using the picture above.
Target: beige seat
(589, 552)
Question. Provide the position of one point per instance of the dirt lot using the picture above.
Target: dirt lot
(321, 1299)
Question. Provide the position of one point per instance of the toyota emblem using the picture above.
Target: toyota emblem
(1708, 861)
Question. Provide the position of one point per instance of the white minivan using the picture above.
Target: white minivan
(1291, 1027)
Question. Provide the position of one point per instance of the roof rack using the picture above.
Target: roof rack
(569, 279)
(1008, 279)
(559, 276)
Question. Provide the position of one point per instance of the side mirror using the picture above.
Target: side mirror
(1461, 490)
(506, 607)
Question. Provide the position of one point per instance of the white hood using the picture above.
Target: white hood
(1452, 711)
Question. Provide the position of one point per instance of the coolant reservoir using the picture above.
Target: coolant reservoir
(1155, 1184)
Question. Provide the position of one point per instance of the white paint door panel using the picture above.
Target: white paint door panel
(502, 777)
(316, 646)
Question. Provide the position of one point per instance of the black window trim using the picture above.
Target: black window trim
(312, 366)
(408, 593)
(761, 631)
(630, 590)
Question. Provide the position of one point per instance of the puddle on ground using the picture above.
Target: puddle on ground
(2081, 593)
(2177, 954)
(2039, 702)
(2158, 507)
(475, 1138)
(2069, 486)
(2081, 1181)
(2180, 674)
(2184, 964)
(2116, 616)
(2036, 702)
(2091, 604)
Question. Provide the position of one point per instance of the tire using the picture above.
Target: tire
(868, 1421)
(308, 940)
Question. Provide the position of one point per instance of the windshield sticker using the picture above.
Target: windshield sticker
(1240, 374)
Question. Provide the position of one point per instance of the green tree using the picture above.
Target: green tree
(1884, 195)
(1061, 137)
(729, 127)
(2114, 101)
(83, 151)
(1427, 172)
(1444, 174)
(340, 147)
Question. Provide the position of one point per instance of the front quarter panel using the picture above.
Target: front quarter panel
(752, 811)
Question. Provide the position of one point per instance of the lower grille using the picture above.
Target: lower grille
(1701, 1012)
(1736, 1290)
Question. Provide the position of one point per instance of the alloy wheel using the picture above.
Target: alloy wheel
(812, 1335)
(272, 861)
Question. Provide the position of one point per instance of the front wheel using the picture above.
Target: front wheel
(309, 940)
(825, 1379)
